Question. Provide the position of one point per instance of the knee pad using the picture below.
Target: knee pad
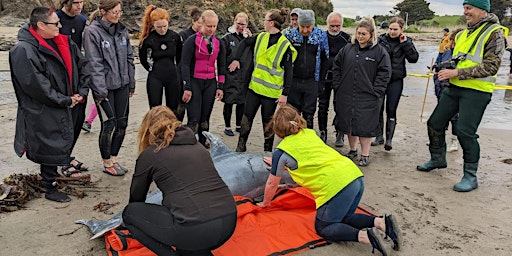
(122, 123)
(205, 126)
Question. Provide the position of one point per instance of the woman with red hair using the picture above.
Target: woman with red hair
(160, 53)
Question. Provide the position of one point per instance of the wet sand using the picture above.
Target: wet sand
(434, 219)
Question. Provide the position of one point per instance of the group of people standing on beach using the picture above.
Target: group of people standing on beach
(281, 72)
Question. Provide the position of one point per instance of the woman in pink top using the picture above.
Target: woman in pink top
(203, 74)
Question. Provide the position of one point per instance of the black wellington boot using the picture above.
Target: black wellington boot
(390, 131)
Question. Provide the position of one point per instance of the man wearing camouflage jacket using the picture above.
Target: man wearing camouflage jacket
(478, 49)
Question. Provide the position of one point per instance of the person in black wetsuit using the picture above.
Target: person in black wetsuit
(198, 212)
(160, 53)
(337, 39)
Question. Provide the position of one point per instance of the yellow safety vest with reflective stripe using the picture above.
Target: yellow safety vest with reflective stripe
(268, 75)
(321, 169)
(462, 44)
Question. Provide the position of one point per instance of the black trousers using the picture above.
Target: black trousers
(113, 115)
(228, 111)
(156, 228)
(324, 97)
(303, 95)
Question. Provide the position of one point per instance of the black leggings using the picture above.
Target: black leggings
(156, 228)
(228, 110)
(200, 106)
(155, 89)
(78, 116)
(393, 94)
(113, 115)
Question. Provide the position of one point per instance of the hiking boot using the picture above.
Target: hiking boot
(437, 161)
(469, 180)
(452, 145)
(228, 132)
(379, 140)
(86, 127)
(323, 135)
(378, 242)
(339, 140)
(55, 195)
(393, 231)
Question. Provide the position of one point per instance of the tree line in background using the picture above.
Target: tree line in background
(418, 12)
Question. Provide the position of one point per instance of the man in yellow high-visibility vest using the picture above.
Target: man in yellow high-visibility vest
(478, 49)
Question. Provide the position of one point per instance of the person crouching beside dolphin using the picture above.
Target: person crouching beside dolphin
(198, 212)
(335, 181)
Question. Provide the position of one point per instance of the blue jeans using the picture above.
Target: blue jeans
(337, 221)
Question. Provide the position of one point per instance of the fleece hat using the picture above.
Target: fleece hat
(446, 30)
(482, 4)
(295, 11)
(307, 17)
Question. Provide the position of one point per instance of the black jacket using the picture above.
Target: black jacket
(237, 82)
(360, 77)
(191, 186)
(41, 80)
(398, 53)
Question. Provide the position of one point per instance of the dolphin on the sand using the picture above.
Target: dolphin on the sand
(245, 174)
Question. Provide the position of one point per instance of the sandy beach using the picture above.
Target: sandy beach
(434, 219)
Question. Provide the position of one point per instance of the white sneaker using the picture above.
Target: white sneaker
(452, 146)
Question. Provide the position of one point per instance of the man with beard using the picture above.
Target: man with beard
(337, 39)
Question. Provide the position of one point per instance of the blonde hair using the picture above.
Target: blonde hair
(158, 128)
(286, 121)
(151, 15)
(209, 14)
(242, 15)
(105, 5)
(369, 24)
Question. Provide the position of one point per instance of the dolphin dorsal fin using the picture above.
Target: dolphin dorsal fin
(217, 146)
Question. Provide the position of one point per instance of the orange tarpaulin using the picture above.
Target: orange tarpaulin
(285, 227)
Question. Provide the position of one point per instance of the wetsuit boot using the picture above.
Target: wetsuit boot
(469, 180)
(245, 129)
(390, 131)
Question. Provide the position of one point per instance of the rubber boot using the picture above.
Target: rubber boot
(390, 131)
(269, 143)
(323, 135)
(379, 140)
(245, 129)
(309, 120)
(194, 126)
(437, 160)
(469, 180)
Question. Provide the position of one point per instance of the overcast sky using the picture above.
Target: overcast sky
(352, 8)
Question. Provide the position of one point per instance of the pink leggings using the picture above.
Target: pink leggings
(93, 112)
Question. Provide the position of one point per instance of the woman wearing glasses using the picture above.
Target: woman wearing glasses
(108, 49)
(202, 81)
(271, 77)
(237, 81)
(159, 53)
